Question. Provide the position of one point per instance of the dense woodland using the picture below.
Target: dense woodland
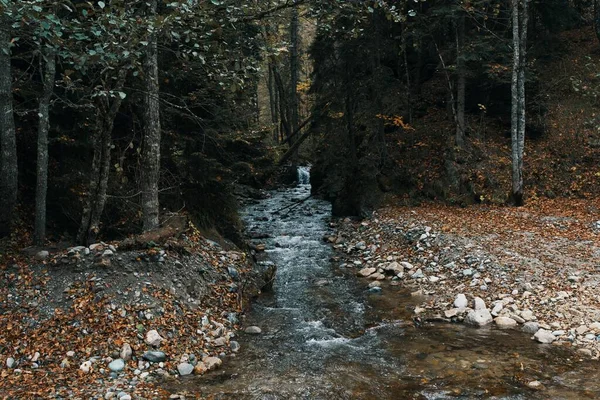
(116, 114)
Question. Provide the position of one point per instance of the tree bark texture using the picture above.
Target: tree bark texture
(8, 141)
(460, 81)
(151, 149)
(294, 74)
(49, 61)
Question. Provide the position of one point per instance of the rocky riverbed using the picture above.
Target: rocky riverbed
(98, 322)
(532, 269)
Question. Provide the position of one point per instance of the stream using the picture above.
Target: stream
(325, 337)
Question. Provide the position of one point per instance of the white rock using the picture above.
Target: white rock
(185, 369)
(544, 336)
(126, 351)
(153, 338)
(478, 318)
(10, 362)
(367, 272)
(527, 315)
(535, 384)
(255, 330)
(407, 265)
(479, 304)
(461, 301)
(434, 279)
(505, 322)
(497, 308)
(86, 366)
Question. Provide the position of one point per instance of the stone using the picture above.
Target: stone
(153, 338)
(517, 318)
(154, 356)
(461, 301)
(200, 368)
(212, 362)
(530, 327)
(505, 322)
(254, 330)
(581, 330)
(478, 318)
(585, 352)
(479, 304)
(126, 351)
(35, 357)
(86, 366)
(117, 365)
(595, 326)
(367, 272)
(527, 315)
(220, 342)
(185, 369)
(434, 279)
(467, 272)
(544, 336)
(235, 346)
(535, 384)
(453, 312)
(360, 246)
(10, 362)
(375, 284)
(418, 274)
(497, 308)
(42, 255)
(406, 265)
(108, 253)
(394, 267)
(70, 353)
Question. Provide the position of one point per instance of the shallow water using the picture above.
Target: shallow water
(325, 337)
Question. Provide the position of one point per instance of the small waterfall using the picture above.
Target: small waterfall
(304, 175)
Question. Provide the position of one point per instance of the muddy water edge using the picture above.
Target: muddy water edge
(325, 337)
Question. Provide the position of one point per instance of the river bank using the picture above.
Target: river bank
(111, 320)
(532, 269)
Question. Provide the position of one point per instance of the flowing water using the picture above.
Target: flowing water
(325, 337)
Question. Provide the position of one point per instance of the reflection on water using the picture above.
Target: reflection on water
(325, 337)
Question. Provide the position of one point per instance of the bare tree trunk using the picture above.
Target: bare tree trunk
(151, 150)
(8, 141)
(49, 62)
(294, 74)
(101, 163)
(520, 20)
(461, 81)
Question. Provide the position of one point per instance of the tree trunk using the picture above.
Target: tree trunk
(151, 149)
(49, 56)
(101, 163)
(519, 20)
(8, 141)
(460, 81)
(294, 74)
(597, 19)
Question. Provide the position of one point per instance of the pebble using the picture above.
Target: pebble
(154, 356)
(367, 272)
(86, 366)
(153, 338)
(479, 304)
(527, 315)
(185, 369)
(254, 330)
(535, 384)
(544, 336)
(42, 255)
(461, 301)
(235, 346)
(212, 362)
(417, 275)
(117, 365)
(10, 362)
(126, 351)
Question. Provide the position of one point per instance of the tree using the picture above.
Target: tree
(152, 134)
(520, 18)
(8, 142)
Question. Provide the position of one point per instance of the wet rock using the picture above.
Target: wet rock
(154, 356)
(585, 352)
(530, 327)
(375, 284)
(212, 363)
(153, 338)
(376, 289)
(200, 368)
(535, 385)
(233, 272)
(254, 330)
(367, 272)
(478, 318)
(117, 365)
(235, 346)
(505, 322)
(185, 369)
(544, 336)
(461, 301)
(394, 267)
(126, 351)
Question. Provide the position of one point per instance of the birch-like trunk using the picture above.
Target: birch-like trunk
(520, 20)
(8, 141)
(49, 61)
(151, 150)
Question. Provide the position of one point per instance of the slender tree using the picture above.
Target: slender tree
(520, 20)
(460, 80)
(152, 134)
(48, 60)
(8, 142)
